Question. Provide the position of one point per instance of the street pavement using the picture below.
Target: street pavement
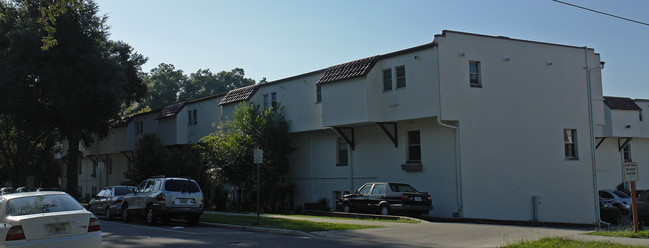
(438, 234)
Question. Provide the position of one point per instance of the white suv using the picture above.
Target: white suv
(162, 198)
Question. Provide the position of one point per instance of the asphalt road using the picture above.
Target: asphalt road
(179, 234)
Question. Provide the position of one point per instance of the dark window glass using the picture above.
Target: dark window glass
(318, 93)
(121, 191)
(414, 146)
(474, 74)
(401, 77)
(400, 187)
(387, 79)
(182, 186)
(342, 152)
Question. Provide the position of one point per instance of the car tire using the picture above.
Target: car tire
(150, 217)
(384, 210)
(108, 215)
(125, 216)
(347, 208)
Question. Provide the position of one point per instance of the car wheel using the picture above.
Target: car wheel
(150, 217)
(125, 216)
(347, 208)
(383, 210)
(108, 216)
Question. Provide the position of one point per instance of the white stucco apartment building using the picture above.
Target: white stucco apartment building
(492, 127)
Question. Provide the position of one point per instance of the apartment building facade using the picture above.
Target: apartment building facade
(492, 127)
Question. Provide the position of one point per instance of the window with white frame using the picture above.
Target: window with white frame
(474, 74)
(626, 153)
(343, 149)
(273, 100)
(192, 117)
(318, 93)
(401, 77)
(387, 79)
(414, 147)
(570, 143)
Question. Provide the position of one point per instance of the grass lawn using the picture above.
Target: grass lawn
(623, 233)
(562, 242)
(281, 223)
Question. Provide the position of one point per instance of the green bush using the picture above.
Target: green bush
(610, 215)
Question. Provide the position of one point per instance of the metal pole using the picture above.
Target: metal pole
(258, 194)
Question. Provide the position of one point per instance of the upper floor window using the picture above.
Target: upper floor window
(139, 127)
(192, 117)
(401, 77)
(640, 114)
(387, 79)
(414, 146)
(266, 102)
(318, 93)
(474, 74)
(342, 152)
(273, 100)
(570, 143)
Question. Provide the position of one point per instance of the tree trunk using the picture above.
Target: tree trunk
(72, 186)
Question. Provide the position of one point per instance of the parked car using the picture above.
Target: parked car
(386, 198)
(25, 189)
(643, 207)
(162, 198)
(46, 219)
(48, 189)
(6, 190)
(108, 201)
(617, 199)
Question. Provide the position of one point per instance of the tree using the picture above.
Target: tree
(204, 83)
(164, 84)
(150, 159)
(228, 153)
(75, 85)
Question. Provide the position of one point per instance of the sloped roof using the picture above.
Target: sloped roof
(124, 121)
(620, 103)
(240, 94)
(170, 111)
(357, 68)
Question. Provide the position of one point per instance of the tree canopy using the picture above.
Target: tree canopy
(60, 72)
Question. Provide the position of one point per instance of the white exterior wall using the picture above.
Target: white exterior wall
(511, 129)
(618, 120)
(208, 117)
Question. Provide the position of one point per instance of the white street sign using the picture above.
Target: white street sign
(630, 172)
(259, 156)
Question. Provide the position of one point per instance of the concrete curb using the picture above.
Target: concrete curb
(259, 229)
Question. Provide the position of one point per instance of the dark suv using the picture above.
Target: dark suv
(162, 198)
(386, 198)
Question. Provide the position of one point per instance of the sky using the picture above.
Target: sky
(279, 39)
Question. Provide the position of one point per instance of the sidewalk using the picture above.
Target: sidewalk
(433, 234)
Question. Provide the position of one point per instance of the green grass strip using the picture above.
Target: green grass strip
(562, 242)
(622, 233)
(281, 223)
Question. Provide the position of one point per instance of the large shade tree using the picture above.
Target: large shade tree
(59, 70)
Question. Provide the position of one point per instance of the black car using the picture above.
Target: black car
(108, 201)
(386, 198)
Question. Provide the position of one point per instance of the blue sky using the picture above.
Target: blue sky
(279, 39)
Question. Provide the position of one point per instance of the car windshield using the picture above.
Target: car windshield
(182, 186)
(621, 194)
(400, 187)
(121, 191)
(41, 204)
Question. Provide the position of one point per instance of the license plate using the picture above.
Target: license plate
(182, 201)
(57, 228)
(418, 199)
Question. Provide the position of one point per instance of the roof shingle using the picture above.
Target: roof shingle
(240, 94)
(170, 111)
(620, 103)
(357, 68)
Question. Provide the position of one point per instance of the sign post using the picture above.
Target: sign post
(259, 159)
(631, 176)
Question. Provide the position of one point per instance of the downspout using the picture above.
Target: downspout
(592, 136)
(456, 131)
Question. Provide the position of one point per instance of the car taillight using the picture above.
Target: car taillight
(160, 197)
(429, 198)
(93, 225)
(15, 233)
(118, 202)
(404, 197)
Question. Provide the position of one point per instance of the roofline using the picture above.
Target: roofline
(443, 34)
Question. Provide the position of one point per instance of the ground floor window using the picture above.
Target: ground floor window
(342, 152)
(414, 147)
(570, 143)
